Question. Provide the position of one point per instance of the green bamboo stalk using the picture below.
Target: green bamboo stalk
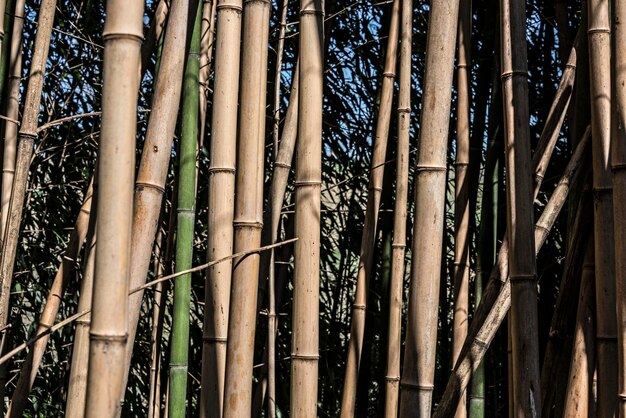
(185, 223)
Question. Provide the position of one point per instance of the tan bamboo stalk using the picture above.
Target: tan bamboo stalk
(209, 9)
(461, 179)
(77, 387)
(51, 308)
(12, 112)
(278, 76)
(150, 182)
(26, 140)
(579, 401)
(221, 206)
(418, 370)
(496, 300)
(248, 219)
(108, 336)
(396, 281)
(158, 308)
(305, 319)
(368, 237)
(154, 33)
(599, 34)
(619, 186)
(522, 263)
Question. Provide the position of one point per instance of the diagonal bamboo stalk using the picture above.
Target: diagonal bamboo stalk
(368, 238)
(154, 33)
(497, 297)
(430, 182)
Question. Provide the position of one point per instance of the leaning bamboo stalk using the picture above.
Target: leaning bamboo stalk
(26, 140)
(154, 33)
(522, 262)
(305, 319)
(599, 35)
(209, 9)
(619, 186)
(63, 275)
(221, 206)
(248, 219)
(368, 237)
(461, 179)
(497, 297)
(150, 181)
(123, 34)
(396, 285)
(579, 400)
(419, 359)
(185, 219)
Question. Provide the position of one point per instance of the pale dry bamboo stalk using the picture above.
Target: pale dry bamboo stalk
(108, 335)
(158, 309)
(77, 386)
(396, 281)
(497, 298)
(221, 206)
(64, 273)
(278, 76)
(248, 219)
(599, 35)
(368, 237)
(154, 33)
(579, 401)
(619, 186)
(26, 140)
(209, 10)
(461, 179)
(12, 113)
(308, 181)
(418, 371)
(152, 174)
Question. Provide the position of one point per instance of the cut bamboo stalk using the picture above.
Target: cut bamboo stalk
(579, 401)
(619, 186)
(461, 178)
(599, 35)
(305, 319)
(421, 339)
(248, 219)
(26, 141)
(221, 206)
(396, 281)
(368, 237)
(497, 296)
(185, 220)
(108, 335)
(63, 275)
(522, 262)
(152, 174)
(209, 9)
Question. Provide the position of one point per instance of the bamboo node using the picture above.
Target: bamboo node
(510, 74)
(215, 339)
(621, 396)
(600, 190)
(248, 224)
(542, 228)
(307, 183)
(282, 165)
(312, 12)
(416, 386)
(392, 378)
(618, 166)
(589, 266)
(232, 7)
(461, 164)
(266, 2)
(359, 306)
(306, 357)
(117, 35)
(215, 170)
(376, 189)
(427, 168)
(111, 338)
(606, 339)
(599, 30)
(22, 135)
(148, 185)
(400, 246)
(83, 322)
(404, 110)
(389, 74)
(480, 343)
(522, 278)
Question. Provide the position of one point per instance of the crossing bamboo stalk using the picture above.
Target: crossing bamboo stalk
(368, 238)
(221, 206)
(430, 182)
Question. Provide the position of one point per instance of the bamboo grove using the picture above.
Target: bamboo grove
(255, 208)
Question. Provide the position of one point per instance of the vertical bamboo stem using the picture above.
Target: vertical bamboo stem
(419, 359)
(209, 8)
(248, 219)
(158, 310)
(396, 285)
(186, 211)
(221, 206)
(368, 238)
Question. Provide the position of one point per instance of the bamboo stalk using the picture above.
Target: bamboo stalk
(396, 285)
(209, 9)
(158, 311)
(248, 219)
(522, 262)
(419, 358)
(599, 35)
(461, 206)
(152, 174)
(368, 237)
(186, 210)
(305, 319)
(497, 296)
(579, 401)
(619, 184)
(123, 33)
(154, 33)
(221, 206)
(64, 273)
